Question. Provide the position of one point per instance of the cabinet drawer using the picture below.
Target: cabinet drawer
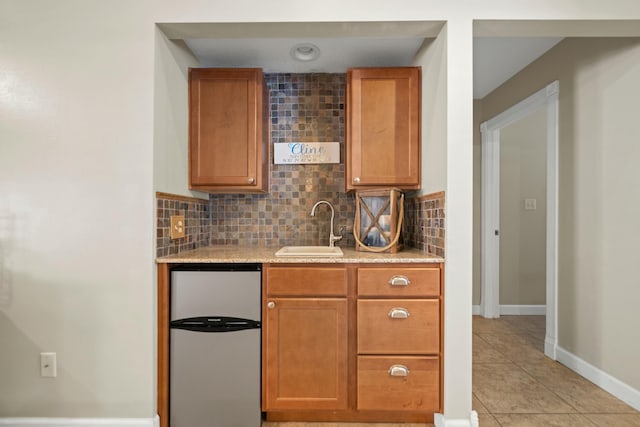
(398, 326)
(378, 389)
(311, 281)
(399, 282)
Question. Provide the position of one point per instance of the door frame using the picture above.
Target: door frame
(546, 97)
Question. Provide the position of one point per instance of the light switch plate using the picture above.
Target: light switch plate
(177, 227)
(530, 204)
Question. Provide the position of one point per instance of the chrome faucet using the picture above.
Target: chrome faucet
(332, 237)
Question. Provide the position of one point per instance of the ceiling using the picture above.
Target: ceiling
(335, 54)
(349, 44)
(497, 59)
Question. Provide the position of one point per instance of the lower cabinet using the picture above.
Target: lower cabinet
(399, 339)
(304, 341)
(306, 353)
(352, 342)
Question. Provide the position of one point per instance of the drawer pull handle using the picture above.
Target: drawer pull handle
(271, 304)
(398, 371)
(399, 313)
(399, 281)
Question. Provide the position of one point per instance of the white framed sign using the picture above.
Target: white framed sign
(296, 153)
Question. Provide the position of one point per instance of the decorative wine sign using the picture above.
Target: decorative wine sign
(297, 153)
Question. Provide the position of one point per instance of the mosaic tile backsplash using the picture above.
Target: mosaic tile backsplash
(425, 223)
(197, 218)
(303, 108)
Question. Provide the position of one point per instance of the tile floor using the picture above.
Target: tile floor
(515, 385)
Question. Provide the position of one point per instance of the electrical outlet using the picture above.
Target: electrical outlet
(530, 204)
(48, 365)
(177, 226)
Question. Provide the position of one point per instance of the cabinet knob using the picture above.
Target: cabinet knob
(271, 304)
(399, 281)
(250, 180)
(398, 371)
(399, 313)
(356, 179)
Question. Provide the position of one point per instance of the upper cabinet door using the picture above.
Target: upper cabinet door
(228, 130)
(383, 128)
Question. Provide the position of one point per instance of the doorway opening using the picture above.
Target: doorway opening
(547, 99)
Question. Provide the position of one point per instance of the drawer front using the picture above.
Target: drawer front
(398, 326)
(399, 282)
(398, 383)
(310, 281)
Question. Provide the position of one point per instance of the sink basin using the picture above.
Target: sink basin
(312, 251)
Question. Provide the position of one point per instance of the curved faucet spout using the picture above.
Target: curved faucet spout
(332, 237)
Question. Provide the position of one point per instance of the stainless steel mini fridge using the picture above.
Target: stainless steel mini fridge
(214, 357)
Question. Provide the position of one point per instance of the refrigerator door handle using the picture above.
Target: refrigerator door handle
(214, 324)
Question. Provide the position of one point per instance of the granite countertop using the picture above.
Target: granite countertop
(266, 254)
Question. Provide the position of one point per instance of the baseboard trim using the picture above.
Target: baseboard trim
(439, 420)
(523, 310)
(622, 391)
(80, 422)
(515, 310)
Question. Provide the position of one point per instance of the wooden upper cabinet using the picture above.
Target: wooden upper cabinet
(383, 128)
(228, 130)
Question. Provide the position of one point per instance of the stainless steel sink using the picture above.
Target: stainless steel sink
(310, 251)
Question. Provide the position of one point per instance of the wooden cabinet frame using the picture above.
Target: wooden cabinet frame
(351, 413)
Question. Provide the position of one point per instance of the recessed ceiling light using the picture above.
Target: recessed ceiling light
(305, 52)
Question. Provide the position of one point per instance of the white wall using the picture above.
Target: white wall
(76, 185)
(432, 58)
(171, 77)
(76, 208)
(523, 175)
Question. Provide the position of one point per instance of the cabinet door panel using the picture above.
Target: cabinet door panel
(305, 353)
(226, 129)
(383, 127)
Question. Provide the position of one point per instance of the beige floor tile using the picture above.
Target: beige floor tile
(538, 334)
(491, 326)
(580, 393)
(614, 420)
(477, 406)
(507, 389)
(483, 352)
(516, 348)
(527, 323)
(487, 420)
(538, 344)
(542, 420)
